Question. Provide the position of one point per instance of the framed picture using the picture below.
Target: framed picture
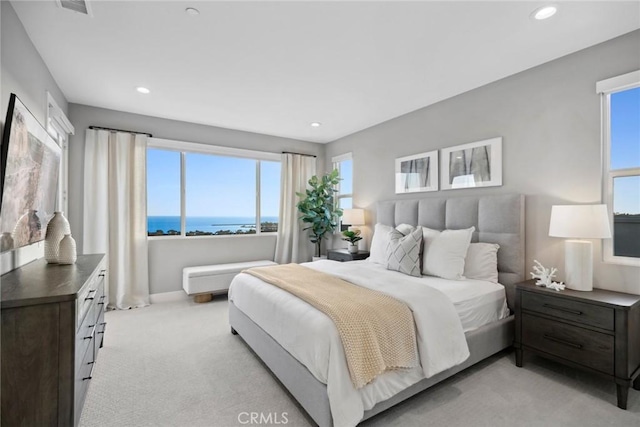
(477, 164)
(417, 173)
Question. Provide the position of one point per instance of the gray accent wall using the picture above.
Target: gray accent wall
(549, 118)
(168, 256)
(24, 73)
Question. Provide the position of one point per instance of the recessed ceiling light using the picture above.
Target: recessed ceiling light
(544, 12)
(316, 124)
(192, 11)
(143, 90)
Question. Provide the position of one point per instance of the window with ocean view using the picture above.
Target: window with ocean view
(621, 135)
(200, 193)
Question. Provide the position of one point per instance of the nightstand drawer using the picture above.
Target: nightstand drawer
(587, 314)
(588, 348)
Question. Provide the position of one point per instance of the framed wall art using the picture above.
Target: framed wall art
(417, 173)
(477, 164)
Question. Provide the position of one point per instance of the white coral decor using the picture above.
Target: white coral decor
(545, 276)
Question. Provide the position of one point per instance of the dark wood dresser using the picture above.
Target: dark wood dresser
(52, 327)
(598, 331)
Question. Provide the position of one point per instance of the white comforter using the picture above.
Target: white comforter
(312, 338)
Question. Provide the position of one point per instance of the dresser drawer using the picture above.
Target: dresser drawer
(101, 298)
(101, 326)
(82, 379)
(583, 346)
(85, 335)
(587, 314)
(87, 297)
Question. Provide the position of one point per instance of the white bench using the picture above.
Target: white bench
(205, 280)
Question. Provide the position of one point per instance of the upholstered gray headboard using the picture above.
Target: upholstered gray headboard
(497, 219)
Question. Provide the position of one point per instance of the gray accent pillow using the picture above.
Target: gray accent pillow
(403, 252)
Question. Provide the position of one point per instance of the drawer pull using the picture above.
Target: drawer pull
(101, 332)
(90, 363)
(103, 323)
(91, 326)
(102, 297)
(86, 378)
(91, 291)
(561, 341)
(100, 303)
(566, 310)
(87, 338)
(89, 298)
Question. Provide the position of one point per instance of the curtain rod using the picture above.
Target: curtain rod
(299, 154)
(119, 130)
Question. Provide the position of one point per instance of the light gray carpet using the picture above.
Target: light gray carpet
(176, 364)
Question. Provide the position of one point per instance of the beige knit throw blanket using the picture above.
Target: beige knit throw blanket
(377, 331)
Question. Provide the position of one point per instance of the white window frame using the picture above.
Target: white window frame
(605, 88)
(59, 128)
(193, 147)
(335, 161)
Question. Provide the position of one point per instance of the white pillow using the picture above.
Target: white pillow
(443, 253)
(481, 262)
(405, 228)
(380, 241)
(403, 252)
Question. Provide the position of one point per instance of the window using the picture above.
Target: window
(59, 127)
(621, 168)
(344, 196)
(201, 190)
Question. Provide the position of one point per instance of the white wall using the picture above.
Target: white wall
(167, 256)
(549, 118)
(24, 73)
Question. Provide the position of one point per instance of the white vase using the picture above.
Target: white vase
(67, 253)
(353, 248)
(57, 228)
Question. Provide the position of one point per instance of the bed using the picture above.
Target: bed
(284, 332)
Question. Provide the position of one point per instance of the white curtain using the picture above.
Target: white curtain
(115, 213)
(293, 243)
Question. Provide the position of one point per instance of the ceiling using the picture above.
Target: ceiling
(276, 67)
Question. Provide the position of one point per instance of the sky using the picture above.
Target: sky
(215, 185)
(625, 149)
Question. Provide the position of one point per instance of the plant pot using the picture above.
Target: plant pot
(353, 248)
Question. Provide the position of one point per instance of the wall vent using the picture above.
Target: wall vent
(79, 6)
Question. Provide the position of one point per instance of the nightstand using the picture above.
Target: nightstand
(343, 255)
(598, 331)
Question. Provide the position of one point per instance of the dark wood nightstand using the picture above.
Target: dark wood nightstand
(343, 255)
(598, 331)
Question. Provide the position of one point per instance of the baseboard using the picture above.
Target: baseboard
(168, 297)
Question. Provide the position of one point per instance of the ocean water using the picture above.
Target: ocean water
(209, 224)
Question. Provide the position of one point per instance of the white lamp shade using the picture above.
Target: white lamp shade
(353, 217)
(580, 222)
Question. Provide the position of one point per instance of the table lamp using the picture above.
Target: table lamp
(579, 222)
(353, 217)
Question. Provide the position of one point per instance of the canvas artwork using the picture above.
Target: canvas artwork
(417, 173)
(478, 164)
(32, 161)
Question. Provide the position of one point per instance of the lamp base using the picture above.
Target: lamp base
(578, 265)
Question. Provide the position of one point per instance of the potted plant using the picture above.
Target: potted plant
(318, 209)
(353, 237)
